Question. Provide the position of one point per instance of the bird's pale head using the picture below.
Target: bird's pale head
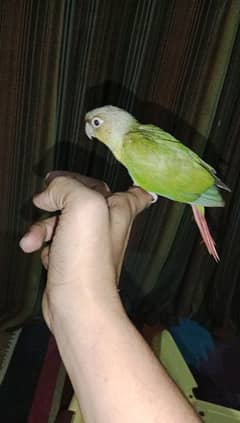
(109, 124)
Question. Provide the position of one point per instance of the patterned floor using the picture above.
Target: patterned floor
(34, 386)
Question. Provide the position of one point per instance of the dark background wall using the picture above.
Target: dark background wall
(171, 63)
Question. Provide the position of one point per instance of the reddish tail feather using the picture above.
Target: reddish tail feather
(199, 217)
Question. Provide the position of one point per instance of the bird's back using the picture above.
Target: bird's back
(159, 163)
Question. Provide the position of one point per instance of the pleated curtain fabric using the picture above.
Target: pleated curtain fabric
(171, 63)
(30, 45)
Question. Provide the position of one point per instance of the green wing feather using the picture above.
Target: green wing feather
(160, 163)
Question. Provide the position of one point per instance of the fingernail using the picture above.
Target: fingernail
(23, 239)
(47, 177)
(106, 187)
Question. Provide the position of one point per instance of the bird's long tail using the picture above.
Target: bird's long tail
(199, 217)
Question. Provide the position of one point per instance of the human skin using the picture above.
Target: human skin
(115, 375)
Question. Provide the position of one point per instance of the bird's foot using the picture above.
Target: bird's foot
(154, 197)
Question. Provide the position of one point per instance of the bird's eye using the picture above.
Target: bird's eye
(96, 122)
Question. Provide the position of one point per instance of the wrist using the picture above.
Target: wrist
(63, 304)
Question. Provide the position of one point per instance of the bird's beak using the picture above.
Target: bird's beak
(89, 130)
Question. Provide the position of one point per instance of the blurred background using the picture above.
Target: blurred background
(173, 63)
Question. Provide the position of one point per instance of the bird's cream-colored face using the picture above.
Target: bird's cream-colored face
(93, 126)
(108, 124)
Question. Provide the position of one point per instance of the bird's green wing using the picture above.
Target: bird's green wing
(160, 163)
(159, 135)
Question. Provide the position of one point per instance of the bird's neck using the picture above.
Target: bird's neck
(113, 136)
(114, 142)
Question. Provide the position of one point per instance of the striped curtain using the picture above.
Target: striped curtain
(173, 63)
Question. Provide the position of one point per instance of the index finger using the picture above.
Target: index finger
(124, 206)
(128, 204)
(93, 183)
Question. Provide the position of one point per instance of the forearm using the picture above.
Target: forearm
(115, 375)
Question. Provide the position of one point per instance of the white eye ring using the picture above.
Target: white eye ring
(96, 122)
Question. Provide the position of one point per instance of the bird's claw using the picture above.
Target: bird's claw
(154, 197)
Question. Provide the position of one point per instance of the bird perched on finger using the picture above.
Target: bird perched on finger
(159, 163)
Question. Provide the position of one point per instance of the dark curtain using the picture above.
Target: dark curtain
(171, 63)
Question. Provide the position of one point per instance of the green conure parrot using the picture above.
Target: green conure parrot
(159, 163)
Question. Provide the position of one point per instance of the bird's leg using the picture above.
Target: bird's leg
(153, 194)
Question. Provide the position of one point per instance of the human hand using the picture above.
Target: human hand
(87, 241)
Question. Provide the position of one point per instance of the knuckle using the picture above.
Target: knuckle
(39, 226)
(123, 203)
(143, 198)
